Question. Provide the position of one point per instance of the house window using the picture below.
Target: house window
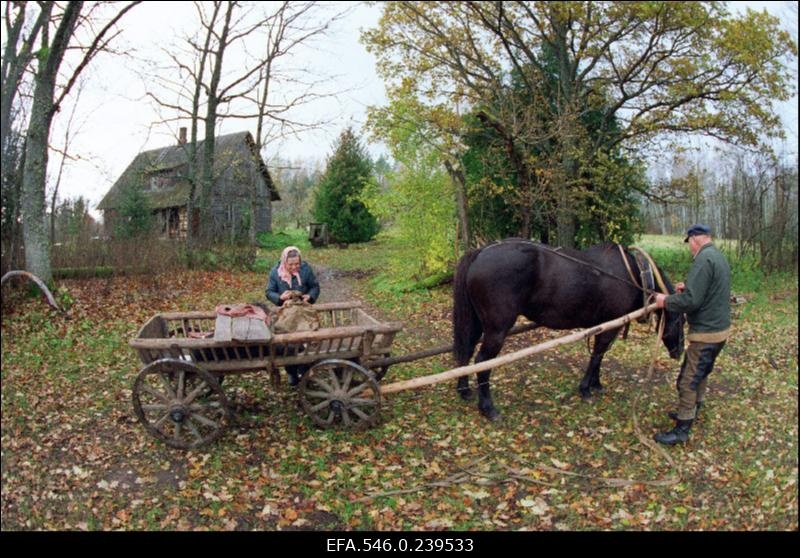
(160, 182)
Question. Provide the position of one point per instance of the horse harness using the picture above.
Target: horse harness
(649, 274)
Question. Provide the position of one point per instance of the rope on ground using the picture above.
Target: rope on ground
(468, 474)
(669, 481)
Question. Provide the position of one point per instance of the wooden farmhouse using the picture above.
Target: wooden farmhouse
(243, 188)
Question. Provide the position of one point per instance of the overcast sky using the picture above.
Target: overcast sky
(115, 120)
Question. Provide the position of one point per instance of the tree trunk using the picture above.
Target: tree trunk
(194, 168)
(34, 223)
(207, 178)
(565, 220)
(34, 228)
(459, 186)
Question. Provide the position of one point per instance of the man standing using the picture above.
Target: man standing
(705, 299)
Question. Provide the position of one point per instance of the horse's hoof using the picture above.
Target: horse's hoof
(586, 394)
(466, 394)
(597, 389)
(491, 414)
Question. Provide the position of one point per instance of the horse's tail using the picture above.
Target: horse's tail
(466, 325)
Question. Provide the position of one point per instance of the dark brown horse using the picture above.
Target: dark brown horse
(554, 288)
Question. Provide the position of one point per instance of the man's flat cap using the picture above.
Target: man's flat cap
(695, 230)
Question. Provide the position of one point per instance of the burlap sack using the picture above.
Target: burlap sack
(296, 316)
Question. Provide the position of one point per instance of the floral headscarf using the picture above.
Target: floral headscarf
(283, 273)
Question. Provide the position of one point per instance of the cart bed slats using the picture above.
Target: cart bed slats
(237, 345)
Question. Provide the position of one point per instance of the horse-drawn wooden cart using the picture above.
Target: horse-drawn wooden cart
(178, 396)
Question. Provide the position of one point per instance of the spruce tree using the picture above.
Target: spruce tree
(135, 214)
(337, 200)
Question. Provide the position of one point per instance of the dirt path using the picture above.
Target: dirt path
(336, 285)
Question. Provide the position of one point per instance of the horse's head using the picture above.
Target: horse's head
(673, 328)
(673, 334)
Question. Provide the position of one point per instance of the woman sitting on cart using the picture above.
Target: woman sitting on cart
(292, 277)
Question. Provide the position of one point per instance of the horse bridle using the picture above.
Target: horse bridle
(648, 270)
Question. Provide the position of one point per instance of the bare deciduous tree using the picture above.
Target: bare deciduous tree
(17, 55)
(71, 129)
(207, 91)
(47, 99)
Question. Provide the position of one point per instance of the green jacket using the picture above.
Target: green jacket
(706, 301)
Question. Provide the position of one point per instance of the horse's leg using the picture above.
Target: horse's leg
(463, 388)
(490, 348)
(462, 385)
(591, 379)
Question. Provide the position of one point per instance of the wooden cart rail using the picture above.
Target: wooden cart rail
(347, 332)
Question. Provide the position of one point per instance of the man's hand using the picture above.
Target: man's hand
(660, 298)
(306, 298)
(680, 287)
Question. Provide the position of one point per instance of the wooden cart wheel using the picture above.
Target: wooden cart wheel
(340, 392)
(180, 403)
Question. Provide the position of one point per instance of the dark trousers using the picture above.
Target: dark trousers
(297, 369)
(698, 363)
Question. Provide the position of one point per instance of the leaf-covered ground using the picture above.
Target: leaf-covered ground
(75, 458)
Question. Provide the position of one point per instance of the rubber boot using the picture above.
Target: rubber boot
(677, 435)
(674, 414)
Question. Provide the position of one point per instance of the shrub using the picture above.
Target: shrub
(241, 257)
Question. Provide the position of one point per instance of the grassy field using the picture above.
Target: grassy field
(74, 457)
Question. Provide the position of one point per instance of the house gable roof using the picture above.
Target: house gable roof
(227, 148)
